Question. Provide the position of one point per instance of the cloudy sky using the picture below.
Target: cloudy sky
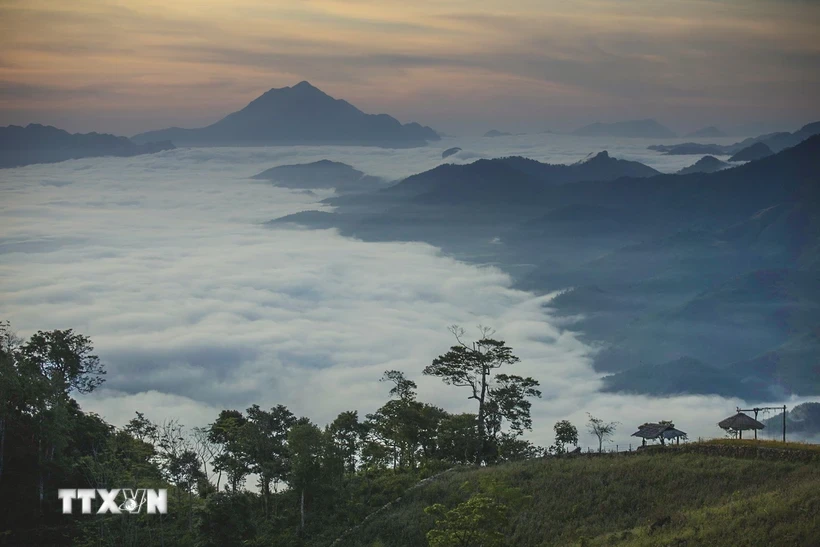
(127, 66)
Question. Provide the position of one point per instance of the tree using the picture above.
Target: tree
(403, 388)
(601, 429)
(345, 434)
(404, 427)
(227, 431)
(306, 442)
(52, 365)
(65, 359)
(479, 521)
(472, 366)
(142, 429)
(565, 434)
(264, 443)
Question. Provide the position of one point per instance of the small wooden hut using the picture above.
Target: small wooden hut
(661, 431)
(741, 422)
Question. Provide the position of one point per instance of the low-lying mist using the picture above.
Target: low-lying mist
(195, 306)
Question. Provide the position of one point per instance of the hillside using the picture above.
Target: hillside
(802, 420)
(667, 498)
(302, 114)
(320, 174)
(720, 267)
(37, 143)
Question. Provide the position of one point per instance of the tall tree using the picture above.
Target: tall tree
(345, 434)
(264, 440)
(472, 366)
(565, 434)
(227, 431)
(306, 442)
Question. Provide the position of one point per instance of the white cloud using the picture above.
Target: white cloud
(195, 306)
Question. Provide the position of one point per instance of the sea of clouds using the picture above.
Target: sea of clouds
(194, 305)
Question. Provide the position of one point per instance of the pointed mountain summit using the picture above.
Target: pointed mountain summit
(302, 114)
(706, 164)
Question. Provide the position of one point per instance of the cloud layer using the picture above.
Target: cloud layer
(195, 306)
(133, 65)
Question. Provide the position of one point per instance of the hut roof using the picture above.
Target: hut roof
(673, 433)
(740, 422)
(654, 431)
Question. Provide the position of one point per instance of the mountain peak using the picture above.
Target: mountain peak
(301, 114)
(595, 157)
(304, 85)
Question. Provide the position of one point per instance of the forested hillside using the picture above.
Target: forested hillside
(270, 477)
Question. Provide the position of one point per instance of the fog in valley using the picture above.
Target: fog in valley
(195, 305)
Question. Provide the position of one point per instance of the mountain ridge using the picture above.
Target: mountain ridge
(36, 143)
(299, 115)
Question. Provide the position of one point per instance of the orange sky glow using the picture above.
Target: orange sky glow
(127, 66)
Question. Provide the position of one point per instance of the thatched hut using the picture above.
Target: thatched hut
(662, 431)
(741, 422)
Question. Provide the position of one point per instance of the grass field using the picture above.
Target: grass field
(656, 498)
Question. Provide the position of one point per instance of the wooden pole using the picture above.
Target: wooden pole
(784, 423)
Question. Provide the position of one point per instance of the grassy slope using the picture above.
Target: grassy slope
(614, 500)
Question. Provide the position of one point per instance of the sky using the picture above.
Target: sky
(463, 67)
(194, 305)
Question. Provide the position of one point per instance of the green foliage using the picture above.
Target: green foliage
(479, 521)
(500, 399)
(565, 434)
(613, 499)
(337, 476)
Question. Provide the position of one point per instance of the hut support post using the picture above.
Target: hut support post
(784, 423)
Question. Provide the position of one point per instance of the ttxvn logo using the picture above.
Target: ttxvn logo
(131, 500)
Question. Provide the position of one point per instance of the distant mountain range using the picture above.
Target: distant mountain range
(649, 129)
(302, 114)
(37, 143)
(524, 178)
(775, 142)
(687, 283)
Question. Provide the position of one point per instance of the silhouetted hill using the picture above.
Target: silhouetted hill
(515, 177)
(496, 133)
(775, 141)
(37, 143)
(791, 368)
(754, 152)
(802, 420)
(710, 132)
(301, 114)
(321, 174)
(706, 164)
(722, 267)
(632, 128)
(683, 375)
